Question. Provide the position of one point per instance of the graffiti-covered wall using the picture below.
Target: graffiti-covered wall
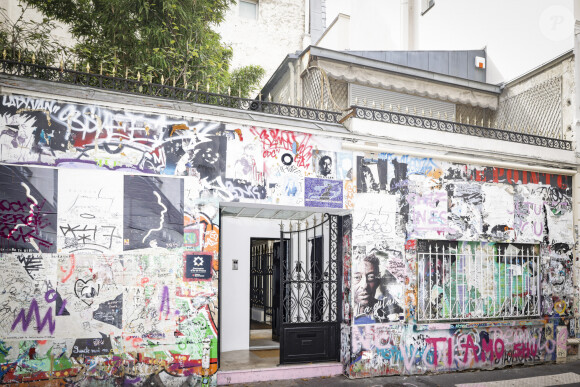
(110, 233)
(450, 260)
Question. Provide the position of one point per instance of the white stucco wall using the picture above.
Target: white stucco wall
(13, 12)
(374, 24)
(235, 284)
(519, 35)
(278, 31)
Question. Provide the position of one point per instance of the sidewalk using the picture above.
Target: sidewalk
(567, 374)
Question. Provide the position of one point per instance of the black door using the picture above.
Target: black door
(310, 288)
(276, 289)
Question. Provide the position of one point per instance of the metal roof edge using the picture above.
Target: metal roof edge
(404, 70)
(279, 73)
(536, 70)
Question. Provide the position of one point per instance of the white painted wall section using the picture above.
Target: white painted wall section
(235, 284)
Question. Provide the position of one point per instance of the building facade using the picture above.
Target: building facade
(435, 244)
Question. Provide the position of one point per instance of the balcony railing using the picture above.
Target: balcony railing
(142, 87)
(457, 127)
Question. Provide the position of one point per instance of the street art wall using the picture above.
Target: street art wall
(458, 267)
(109, 245)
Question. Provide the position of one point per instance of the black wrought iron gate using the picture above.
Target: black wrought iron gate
(310, 290)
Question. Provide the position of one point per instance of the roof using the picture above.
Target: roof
(460, 64)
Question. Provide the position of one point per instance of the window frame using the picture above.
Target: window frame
(256, 5)
(453, 307)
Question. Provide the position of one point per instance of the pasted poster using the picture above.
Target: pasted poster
(375, 291)
(245, 160)
(323, 193)
(90, 212)
(28, 205)
(153, 212)
(324, 164)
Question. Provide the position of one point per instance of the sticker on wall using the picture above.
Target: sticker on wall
(344, 166)
(197, 266)
(323, 193)
(324, 164)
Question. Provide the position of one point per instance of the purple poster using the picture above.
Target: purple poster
(323, 193)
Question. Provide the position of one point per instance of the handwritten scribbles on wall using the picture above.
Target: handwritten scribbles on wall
(323, 193)
(110, 312)
(153, 212)
(197, 266)
(90, 212)
(28, 205)
(92, 346)
(28, 300)
(465, 210)
(428, 217)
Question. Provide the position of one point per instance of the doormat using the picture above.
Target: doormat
(267, 353)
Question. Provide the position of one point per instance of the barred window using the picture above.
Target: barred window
(477, 280)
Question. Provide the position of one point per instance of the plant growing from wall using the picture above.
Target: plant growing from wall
(169, 41)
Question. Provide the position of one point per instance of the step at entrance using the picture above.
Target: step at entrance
(279, 373)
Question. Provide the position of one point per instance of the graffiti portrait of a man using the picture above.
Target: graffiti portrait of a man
(370, 308)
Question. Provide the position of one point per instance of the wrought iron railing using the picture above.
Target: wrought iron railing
(142, 87)
(457, 127)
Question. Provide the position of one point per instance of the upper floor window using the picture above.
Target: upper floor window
(249, 9)
(477, 280)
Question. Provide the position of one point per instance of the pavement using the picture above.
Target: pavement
(566, 374)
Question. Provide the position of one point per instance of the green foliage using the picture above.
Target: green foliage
(22, 38)
(169, 38)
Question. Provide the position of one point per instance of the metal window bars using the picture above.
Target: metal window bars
(477, 281)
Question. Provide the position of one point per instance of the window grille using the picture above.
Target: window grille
(477, 280)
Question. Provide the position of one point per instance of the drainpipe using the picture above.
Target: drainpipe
(577, 74)
(306, 36)
(575, 179)
(292, 91)
(409, 24)
(404, 24)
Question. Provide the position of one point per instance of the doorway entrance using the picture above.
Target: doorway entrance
(310, 297)
(264, 278)
(287, 282)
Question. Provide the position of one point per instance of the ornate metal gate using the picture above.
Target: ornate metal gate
(310, 288)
